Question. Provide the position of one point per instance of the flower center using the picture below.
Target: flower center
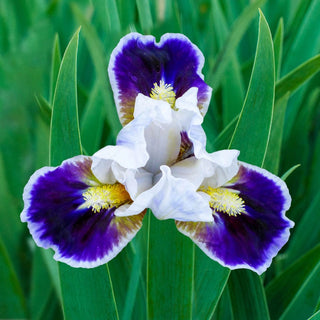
(105, 197)
(224, 200)
(163, 92)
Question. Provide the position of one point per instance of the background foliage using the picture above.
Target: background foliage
(266, 95)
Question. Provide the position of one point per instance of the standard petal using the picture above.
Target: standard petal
(69, 210)
(174, 198)
(250, 226)
(150, 140)
(138, 63)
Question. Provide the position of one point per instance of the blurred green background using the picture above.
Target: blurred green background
(33, 37)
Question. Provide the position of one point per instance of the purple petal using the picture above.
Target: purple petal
(60, 215)
(138, 62)
(251, 238)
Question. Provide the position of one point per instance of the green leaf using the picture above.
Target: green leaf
(251, 137)
(315, 316)
(232, 78)
(93, 120)
(64, 135)
(252, 132)
(79, 287)
(237, 30)
(53, 270)
(297, 77)
(133, 284)
(170, 272)
(278, 45)
(224, 309)
(145, 16)
(306, 39)
(41, 288)
(55, 65)
(224, 138)
(12, 304)
(272, 159)
(87, 293)
(307, 232)
(288, 172)
(11, 227)
(305, 44)
(113, 16)
(45, 108)
(294, 294)
(247, 295)
(98, 57)
(210, 279)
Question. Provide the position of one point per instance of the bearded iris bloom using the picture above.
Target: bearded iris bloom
(89, 208)
(164, 70)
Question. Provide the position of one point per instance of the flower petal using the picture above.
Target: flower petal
(174, 198)
(213, 169)
(150, 140)
(138, 62)
(253, 237)
(61, 215)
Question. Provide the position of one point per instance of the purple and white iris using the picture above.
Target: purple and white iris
(89, 208)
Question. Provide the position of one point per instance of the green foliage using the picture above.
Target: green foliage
(264, 70)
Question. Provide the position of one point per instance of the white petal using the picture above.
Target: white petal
(174, 198)
(161, 131)
(225, 164)
(194, 170)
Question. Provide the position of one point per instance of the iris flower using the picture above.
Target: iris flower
(234, 211)
(89, 208)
